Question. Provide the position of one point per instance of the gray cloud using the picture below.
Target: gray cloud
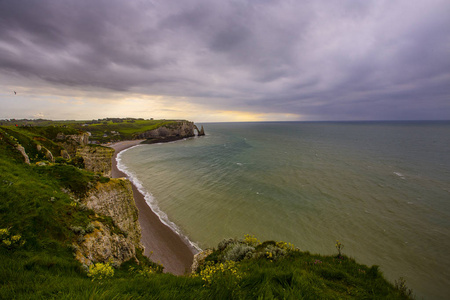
(323, 60)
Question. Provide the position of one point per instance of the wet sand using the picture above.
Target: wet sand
(161, 244)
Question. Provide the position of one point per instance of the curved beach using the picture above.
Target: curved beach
(161, 244)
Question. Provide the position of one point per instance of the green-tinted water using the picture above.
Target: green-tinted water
(382, 189)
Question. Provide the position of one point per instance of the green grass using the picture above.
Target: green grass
(33, 205)
(127, 128)
(30, 140)
(276, 270)
(127, 131)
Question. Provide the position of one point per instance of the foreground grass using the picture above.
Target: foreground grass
(35, 205)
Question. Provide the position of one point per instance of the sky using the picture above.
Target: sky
(225, 60)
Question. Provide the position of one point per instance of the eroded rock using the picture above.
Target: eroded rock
(96, 158)
(102, 245)
(115, 199)
(24, 154)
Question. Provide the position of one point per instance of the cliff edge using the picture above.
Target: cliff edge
(113, 199)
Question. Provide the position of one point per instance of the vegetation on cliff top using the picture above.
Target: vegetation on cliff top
(40, 221)
(102, 130)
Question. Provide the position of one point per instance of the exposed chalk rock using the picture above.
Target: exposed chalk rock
(96, 158)
(102, 245)
(24, 154)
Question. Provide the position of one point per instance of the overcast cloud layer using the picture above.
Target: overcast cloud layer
(297, 60)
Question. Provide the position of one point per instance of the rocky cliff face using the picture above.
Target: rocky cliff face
(181, 130)
(71, 142)
(103, 245)
(113, 199)
(96, 158)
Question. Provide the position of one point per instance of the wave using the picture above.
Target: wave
(151, 201)
(400, 175)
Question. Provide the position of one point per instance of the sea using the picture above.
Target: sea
(381, 188)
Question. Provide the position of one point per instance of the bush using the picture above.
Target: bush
(10, 241)
(78, 230)
(90, 228)
(400, 285)
(251, 240)
(274, 252)
(104, 179)
(100, 271)
(214, 273)
(77, 161)
(144, 271)
(237, 252)
(60, 160)
(224, 243)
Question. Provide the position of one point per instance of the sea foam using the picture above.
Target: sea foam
(400, 175)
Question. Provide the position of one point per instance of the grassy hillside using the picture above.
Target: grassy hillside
(40, 220)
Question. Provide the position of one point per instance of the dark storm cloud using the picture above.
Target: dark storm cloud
(319, 59)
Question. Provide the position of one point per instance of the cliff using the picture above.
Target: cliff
(103, 245)
(72, 142)
(115, 199)
(96, 159)
(179, 130)
(112, 199)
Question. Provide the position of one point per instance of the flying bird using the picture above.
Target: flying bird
(15, 93)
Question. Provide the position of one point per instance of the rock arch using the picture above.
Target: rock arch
(199, 132)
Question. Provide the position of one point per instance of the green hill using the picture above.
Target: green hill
(41, 221)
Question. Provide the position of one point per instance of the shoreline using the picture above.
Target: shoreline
(162, 244)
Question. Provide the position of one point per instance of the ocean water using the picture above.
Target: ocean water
(381, 188)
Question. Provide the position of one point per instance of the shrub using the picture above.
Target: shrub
(214, 272)
(274, 252)
(78, 230)
(60, 160)
(339, 247)
(100, 271)
(90, 228)
(373, 271)
(80, 239)
(77, 161)
(104, 179)
(237, 252)
(400, 285)
(73, 248)
(10, 241)
(270, 251)
(251, 240)
(286, 246)
(144, 271)
(224, 243)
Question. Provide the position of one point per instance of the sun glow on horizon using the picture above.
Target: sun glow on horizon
(69, 104)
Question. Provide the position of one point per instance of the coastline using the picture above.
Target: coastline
(162, 244)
